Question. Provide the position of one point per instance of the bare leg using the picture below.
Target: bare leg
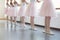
(22, 21)
(47, 24)
(32, 22)
(11, 21)
(15, 22)
(7, 21)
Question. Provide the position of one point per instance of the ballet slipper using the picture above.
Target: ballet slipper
(50, 33)
(34, 29)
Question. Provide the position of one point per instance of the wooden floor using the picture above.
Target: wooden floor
(18, 34)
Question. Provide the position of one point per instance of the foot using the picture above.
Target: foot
(23, 27)
(50, 33)
(34, 29)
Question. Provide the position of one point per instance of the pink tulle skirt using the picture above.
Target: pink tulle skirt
(30, 10)
(11, 11)
(6, 10)
(47, 9)
(22, 11)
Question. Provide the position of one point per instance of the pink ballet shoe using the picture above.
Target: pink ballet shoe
(50, 33)
(34, 29)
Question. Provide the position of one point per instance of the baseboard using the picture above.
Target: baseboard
(41, 26)
(3, 19)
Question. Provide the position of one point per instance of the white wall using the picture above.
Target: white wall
(2, 5)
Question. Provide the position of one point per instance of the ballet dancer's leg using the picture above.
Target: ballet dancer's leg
(15, 22)
(22, 19)
(11, 22)
(7, 21)
(32, 22)
(47, 24)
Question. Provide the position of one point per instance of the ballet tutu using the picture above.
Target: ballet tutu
(47, 9)
(12, 11)
(31, 10)
(22, 10)
(6, 10)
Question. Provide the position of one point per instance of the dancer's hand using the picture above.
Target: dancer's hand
(7, 4)
(11, 4)
(38, 1)
(17, 3)
(26, 2)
